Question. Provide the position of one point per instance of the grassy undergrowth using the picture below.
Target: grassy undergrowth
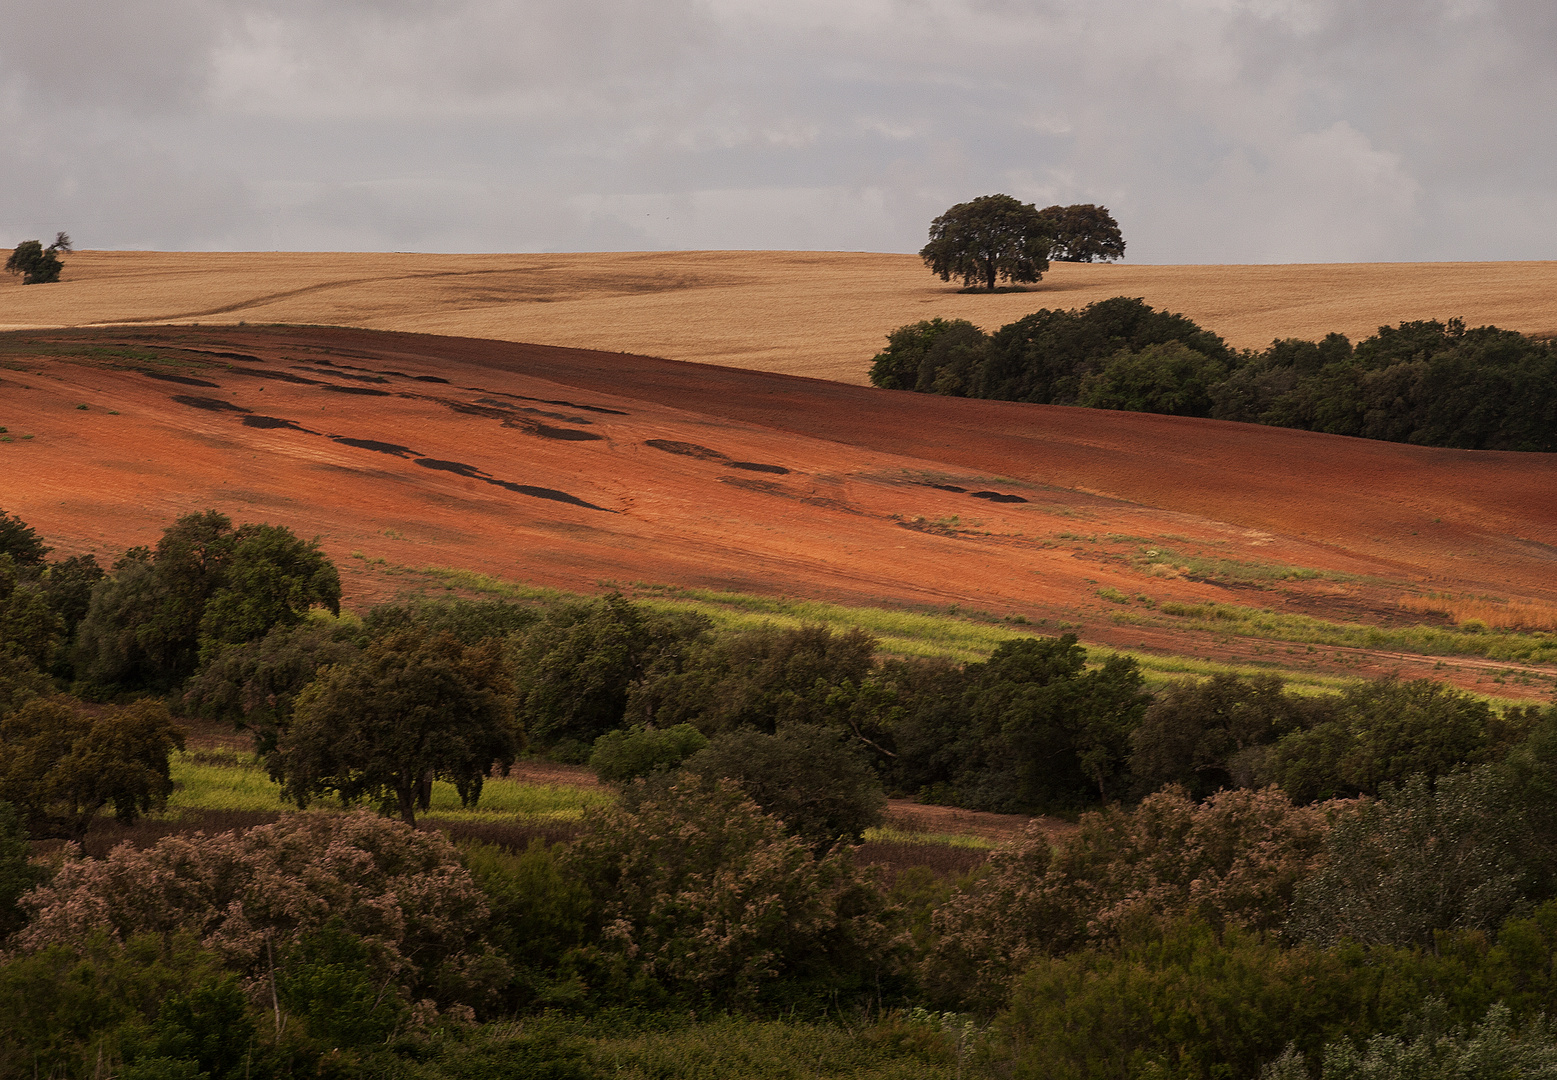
(888, 835)
(1505, 645)
(243, 784)
(783, 1050)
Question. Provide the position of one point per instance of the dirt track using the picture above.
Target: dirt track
(574, 469)
(823, 314)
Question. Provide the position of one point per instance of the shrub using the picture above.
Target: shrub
(805, 775)
(1175, 1002)
(1040, 731)
(761, 679)
(702, 897)
(539, 915)
(208, 584)
(1233, 860)
(250, 895)
(938, 356)
(573, 671)
(1420, 860)
(1386, 730)
(21, 542)
(255, 685)
(1430, 1050)
(1210, 734)
(81, 1006)
(621, 755)
(29, 627)
(18, 874)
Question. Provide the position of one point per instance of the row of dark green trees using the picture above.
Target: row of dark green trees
(1430, 383)
(215, 621)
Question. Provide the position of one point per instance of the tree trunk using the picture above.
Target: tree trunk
(405, 794)
(989, 275)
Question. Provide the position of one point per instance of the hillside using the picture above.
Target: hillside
(580, 470)
(822, 314)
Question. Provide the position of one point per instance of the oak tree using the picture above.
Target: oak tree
(994, 236)
(413, 709)
(61, 763)
(1084, 233)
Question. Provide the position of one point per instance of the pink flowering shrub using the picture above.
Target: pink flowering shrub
(1231, 860)
(251, 894)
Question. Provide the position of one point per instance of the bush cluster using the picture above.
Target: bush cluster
(1259, 883)
(1427, 382)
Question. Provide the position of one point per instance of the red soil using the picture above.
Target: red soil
(576, 469)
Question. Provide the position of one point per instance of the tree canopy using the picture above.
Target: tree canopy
(1428, 383)
(413, 709)
(994, 236)
(60, 764)
(1084, 233)
(37, 264)
(206, 586)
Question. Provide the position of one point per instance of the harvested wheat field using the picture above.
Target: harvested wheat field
(822, 314)
(580, 469)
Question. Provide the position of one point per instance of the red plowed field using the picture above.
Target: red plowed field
(574, 468)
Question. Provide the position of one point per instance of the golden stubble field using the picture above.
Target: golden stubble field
(820, 314)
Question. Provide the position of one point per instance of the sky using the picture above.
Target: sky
(1216, 131)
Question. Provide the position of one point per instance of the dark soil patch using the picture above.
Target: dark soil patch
(209, 404)
(229, 355)
(686, 449)
(278, 376)
(551, 494)
(268, 422)
(186, 380)
(998, 497)
(757, 466)
(363, 391)
(343, 374)
(564, 417)
(950, 487)
(546, 431)
(377, 447)
(542, 401)
(459, 468)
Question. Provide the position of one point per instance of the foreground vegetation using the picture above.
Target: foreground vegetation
(1259, 882)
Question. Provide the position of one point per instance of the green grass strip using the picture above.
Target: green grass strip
(244, 785)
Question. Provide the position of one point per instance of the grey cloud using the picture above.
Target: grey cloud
(1239, 130)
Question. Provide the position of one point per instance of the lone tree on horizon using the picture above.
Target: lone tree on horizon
(37, 264)
(994, 236)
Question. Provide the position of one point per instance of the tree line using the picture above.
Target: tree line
(1260, 882)
(1426, 382)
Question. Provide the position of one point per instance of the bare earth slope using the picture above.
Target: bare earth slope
(823, 314)
(575, 468)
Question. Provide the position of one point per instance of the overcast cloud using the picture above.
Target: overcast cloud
(1216, 130)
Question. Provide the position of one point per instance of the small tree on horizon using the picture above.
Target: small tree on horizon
(994, 236)
(37, 264)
